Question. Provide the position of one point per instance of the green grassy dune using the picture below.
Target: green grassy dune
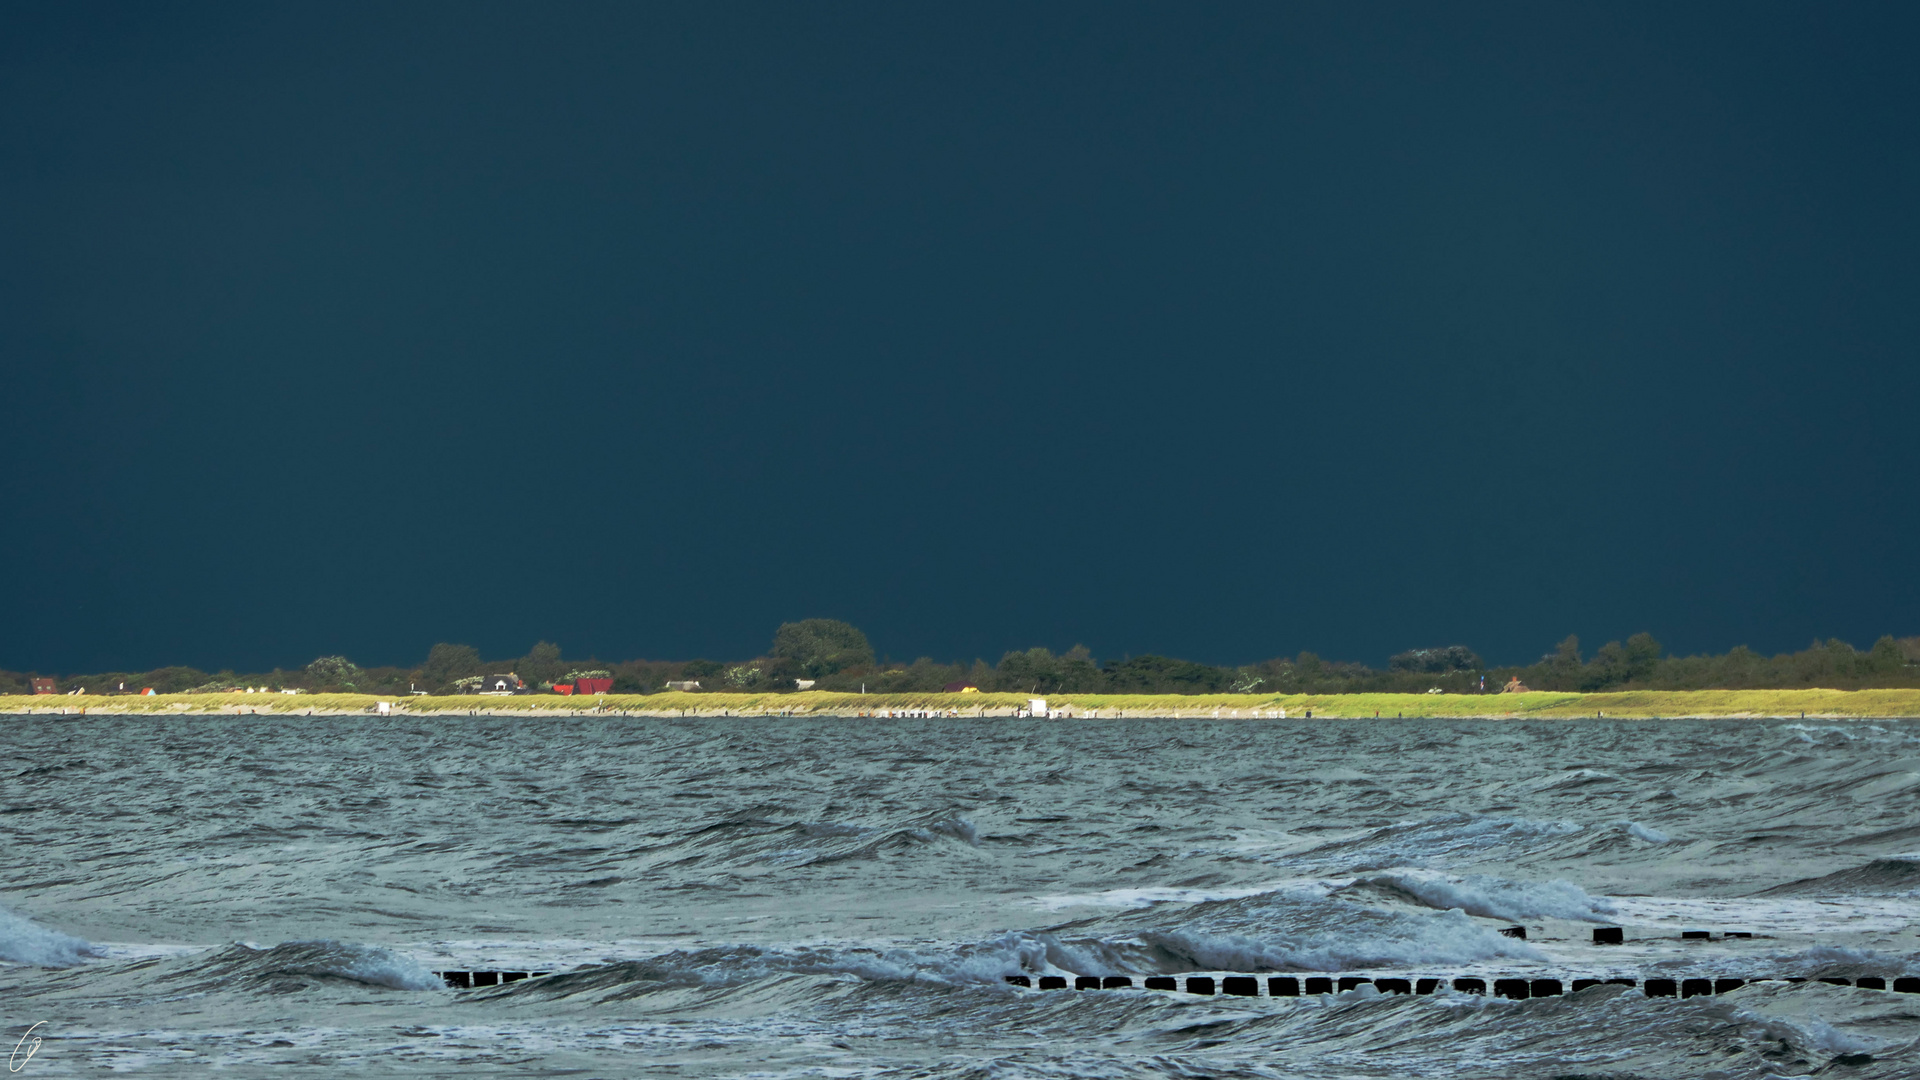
(1630, 704)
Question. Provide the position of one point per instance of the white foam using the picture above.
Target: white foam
(347, 960)
(1824, 1036)
(1443, 938)
(1642, 832)
(23, 941)
(1497, 898)
(1810, 1030)
(954, 828)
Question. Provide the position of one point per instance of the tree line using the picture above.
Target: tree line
(831, 655)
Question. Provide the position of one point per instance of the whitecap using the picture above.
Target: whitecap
(1444, 938)
(325, 957)
(23, 941)
(1642, 832)
(1497, 898)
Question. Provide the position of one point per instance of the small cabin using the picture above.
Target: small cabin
(685, 686)
(500, 685)
(592, 686)
(42, 686)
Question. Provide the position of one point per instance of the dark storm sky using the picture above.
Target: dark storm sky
(1222, 331)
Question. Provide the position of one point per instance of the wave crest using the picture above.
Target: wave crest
(1446, 938)
(1897, 875)
(1496, 898)
(324, 958)
(23, 941)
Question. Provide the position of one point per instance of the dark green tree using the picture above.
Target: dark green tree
(782, 673)
(1039, 671)
(1643, 657)
(1607, 669)
(1080, 673)
(542, 664)
(1885, 658)
(1910, 648)
(445, 663)
(1032, 671)
(173, 680)
(1563, 667)
(822, 646)
(326, 673)
(1165, 675)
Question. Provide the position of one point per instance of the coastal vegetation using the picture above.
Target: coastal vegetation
(827, 655)
(1634, 704)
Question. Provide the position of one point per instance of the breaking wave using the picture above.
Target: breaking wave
(23, 941)
(1897, 876)
(1642, 832)
(1496, 898)
(1444, 938)
(1447, 937)
(323, 959)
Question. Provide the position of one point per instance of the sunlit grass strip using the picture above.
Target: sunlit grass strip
(1628, 704)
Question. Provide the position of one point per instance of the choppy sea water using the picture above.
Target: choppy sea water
(843, 898)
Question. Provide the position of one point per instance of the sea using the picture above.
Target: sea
(847, 897)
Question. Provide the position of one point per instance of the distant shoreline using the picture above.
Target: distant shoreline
(1628, 705)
